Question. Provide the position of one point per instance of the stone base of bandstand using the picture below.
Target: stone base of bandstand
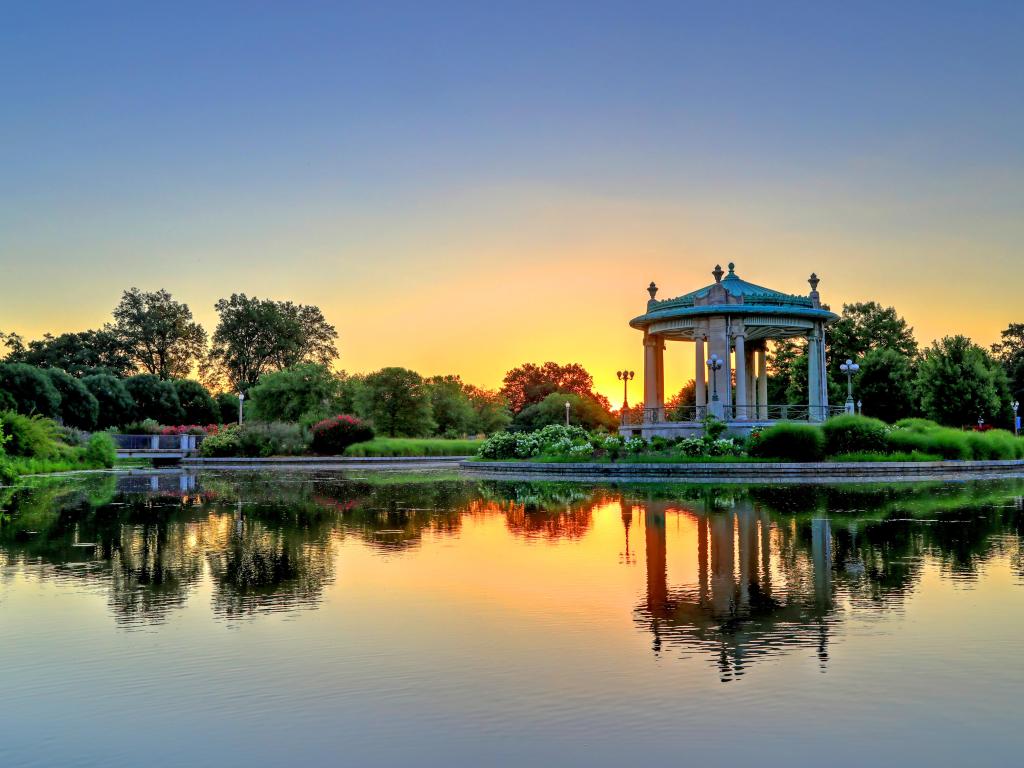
(677, 429)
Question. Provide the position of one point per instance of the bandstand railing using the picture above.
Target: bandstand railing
(697, 413)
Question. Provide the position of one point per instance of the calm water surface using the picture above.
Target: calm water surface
(378, 619)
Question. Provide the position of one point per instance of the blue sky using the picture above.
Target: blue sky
(423, 155)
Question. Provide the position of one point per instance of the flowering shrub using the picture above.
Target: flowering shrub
(193, 429)
(510, 445)
(636, 445)
(332, 436)
(724, 446)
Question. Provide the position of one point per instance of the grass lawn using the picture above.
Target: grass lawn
(413, 446)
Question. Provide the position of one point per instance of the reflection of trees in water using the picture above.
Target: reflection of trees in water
(770, 580)
(546, 510)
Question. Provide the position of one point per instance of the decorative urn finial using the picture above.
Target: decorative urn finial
(653, 290)
(718, 273)
(813, 280)
(732, 268)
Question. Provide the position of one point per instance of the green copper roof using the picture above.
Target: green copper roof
(753, 299)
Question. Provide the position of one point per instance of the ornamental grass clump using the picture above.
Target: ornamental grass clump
(789, 442)
(851, 433)
(332, 436)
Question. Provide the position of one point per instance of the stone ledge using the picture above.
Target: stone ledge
(320, 460)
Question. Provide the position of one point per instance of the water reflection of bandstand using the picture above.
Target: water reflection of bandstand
(761, 588)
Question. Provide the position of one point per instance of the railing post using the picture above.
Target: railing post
(154, 442)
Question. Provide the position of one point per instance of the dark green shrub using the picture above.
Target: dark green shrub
(950, 444)
(227, 408)
(31, 388)
(116, 405)
(100, 450)
(917, 425)
(790, 442)
(29, 436)
(332, 436)
(851, 433)
(7, 401)
(78, 406)
(196, 403)
(993, 444)
(155, 399)
(273, 438)
(224, 444)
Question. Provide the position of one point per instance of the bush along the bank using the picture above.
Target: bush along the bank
(332, 436)
(34, 444)
(788, 442)
(257, 439)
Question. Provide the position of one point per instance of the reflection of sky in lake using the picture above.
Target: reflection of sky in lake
(278, 618)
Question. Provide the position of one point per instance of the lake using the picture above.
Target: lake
(390, 619)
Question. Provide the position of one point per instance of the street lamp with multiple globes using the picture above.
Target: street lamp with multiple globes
(625, 377)
(849, 368)
(714, 365)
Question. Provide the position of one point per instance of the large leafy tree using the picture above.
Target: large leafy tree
(155, 399)
(31, 389)
(1010, 352)
(80, 353)
(397, 400)
(584, 411)
(451, 408)
(157, 333)
(530, 383)
(306, 390)
(78, 406)
(958, 382)
(885, 385)
(255, 336)
(196, 404)
(864, 326)
(116, 406)
(491, 411)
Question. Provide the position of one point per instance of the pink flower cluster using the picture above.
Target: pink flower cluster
(194, 429)
(337, 421)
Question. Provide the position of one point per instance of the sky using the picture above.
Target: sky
(464, 187)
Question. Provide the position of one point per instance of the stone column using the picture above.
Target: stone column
(762, 382)
(654, 378)
(700, 371)
(814, 376)
(751, 382)
(741, 378)
(659, 377)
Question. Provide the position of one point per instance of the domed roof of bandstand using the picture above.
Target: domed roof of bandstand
(732, 295)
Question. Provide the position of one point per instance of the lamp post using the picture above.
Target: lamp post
(625, 377)
(241, 399)
(860, 407)
(981, 423)
(715, 365)
(1016, 418)
(849, 368)
(567, 413)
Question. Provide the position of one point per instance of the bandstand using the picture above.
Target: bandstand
(730, 323)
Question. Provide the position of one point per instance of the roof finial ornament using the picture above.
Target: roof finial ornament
(718, 273)
(653, 290)
(813, 280)
(732, 268)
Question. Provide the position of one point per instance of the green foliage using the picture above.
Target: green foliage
(257, 439)
(871, 456)
(154, 398)
(80, 354)
(958, 382)
(408, 446)
(7, 401)
(713, 427)
(115, 404)
(491, 411)
(290, 394)
(452, 411)
(862, 328)
(227, 408)
(100, 451)
(257, 336)
(584, 412)
(197, 406)
(850, 433)
(29, 436)
(332, 436)
(886, 385)
(157, 333)
(31, 388)
(950, 444)
(530, 384)
(78, 406)
(790, 442)
(224, 444)
(397, 401)
(1010, 352)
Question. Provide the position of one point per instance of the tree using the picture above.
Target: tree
(786, 363)
(862, 327)
(1010, 352)
(256, 336)
(680, 405)
(78, 406)
(398, 402)
(886, 385)
(116, 405)
(196, 404)
(80, 354)
(227, 407)
(450, 406)
(31, 388)
(491, 411)
(157, 333)
(155, 399)
(584, 411)
(307, 390)
(529, 384)
(958, 382)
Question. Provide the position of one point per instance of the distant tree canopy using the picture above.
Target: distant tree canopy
(78, 406)
(31, 389)
(256, 336)
(307, 390)
(157, 333)
(584, 411)
(397, 400)
(885, 385)
(1010, 353)
(80, 354)
(959, 382)
(530, 383)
